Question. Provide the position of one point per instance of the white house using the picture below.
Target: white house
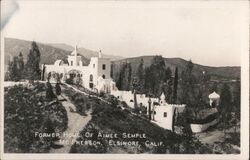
(128, 97)
(214, 98)
(162, 113)
(95, 76)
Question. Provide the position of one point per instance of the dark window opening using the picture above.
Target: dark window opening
(103, 66)
(103, 76)
(165, 114)
(91, 78)
(91, 85)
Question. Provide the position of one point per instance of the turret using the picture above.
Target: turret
(162, 99)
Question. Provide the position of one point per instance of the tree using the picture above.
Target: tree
(236, 100)
(225, 107)
(135, 86)
(43, 72)
(141, 76)
(236, 105)
(124, 82)
(32, 70)
(155, 76)
(168, 85)
(49, 91)
(20, 66)
(13, 70)
(187, 85)
(58, 89)
(175, 85)
(214, 87)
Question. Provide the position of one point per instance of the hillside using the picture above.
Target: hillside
(49, 52)
(215, 72)
(122, 131)
(85, 52)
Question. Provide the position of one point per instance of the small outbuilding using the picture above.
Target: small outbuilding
(214, 99)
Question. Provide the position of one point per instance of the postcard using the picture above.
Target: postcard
(124, 79)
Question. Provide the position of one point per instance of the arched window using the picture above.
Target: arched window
(103, 76)
(91, 77)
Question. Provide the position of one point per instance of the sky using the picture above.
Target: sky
(207, 32)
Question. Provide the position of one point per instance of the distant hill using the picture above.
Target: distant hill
(227, 73)
(49, 52)
(85, 52)
(62, 46)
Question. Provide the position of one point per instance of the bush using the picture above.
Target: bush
(26, 111)
(69, 81)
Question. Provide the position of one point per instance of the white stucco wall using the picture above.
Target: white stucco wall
(95, 68)
(196, 128)
(164, 122)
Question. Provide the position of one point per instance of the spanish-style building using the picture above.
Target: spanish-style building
(94, 76)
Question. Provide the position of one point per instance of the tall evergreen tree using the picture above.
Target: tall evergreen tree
(20, 65)
(156, 76)
(32, 70)
(112, 70)
(187, 85)
(225, 107)
(135, 87)
(141, 76)
(13, 70)
(125, 76)
(236, 100)
(175, 85)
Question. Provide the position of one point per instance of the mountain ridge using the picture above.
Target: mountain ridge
(224, 72)
(50, 52)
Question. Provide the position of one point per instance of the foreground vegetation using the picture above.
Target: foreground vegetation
(113, 118)
(27, 111)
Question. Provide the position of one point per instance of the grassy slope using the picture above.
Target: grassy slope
(26, 111)
(109, 118)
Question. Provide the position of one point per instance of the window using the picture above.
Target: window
(91, 78)
(103, 66)
(103, 76)
(165, 114)
(131, 100)
(93, 65)
(71, 63)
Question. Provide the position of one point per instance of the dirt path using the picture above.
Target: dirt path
(76, 123)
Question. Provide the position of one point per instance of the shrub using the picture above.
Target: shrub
(26, 111)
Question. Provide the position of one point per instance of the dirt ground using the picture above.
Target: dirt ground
(221, 142)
